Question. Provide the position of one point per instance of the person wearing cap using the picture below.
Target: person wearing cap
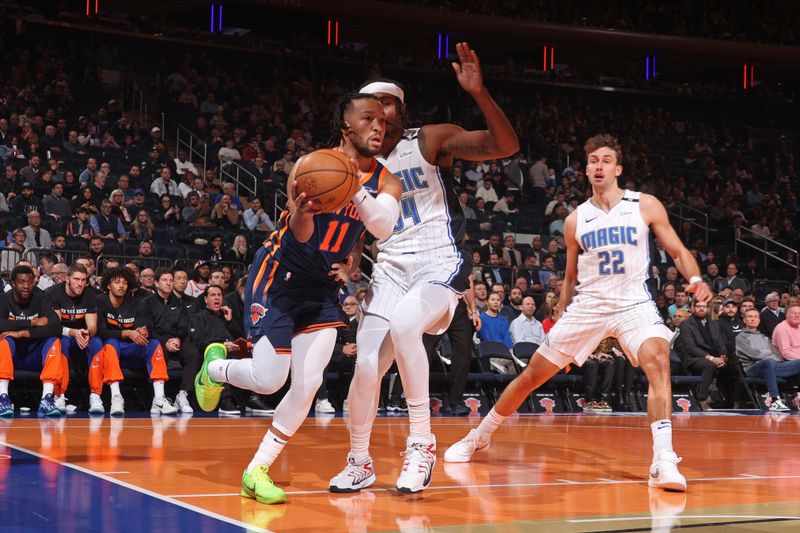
(26, 202)
(730, 322)
(149, 143)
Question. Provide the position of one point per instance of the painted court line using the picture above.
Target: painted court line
(140, 490)
(683, 517)
(558, 483)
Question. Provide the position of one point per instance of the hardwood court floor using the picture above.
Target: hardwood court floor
(542, 473)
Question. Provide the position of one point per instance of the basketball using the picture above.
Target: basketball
(327, 177)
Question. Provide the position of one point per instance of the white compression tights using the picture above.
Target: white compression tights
(376, 351)
(267, 371)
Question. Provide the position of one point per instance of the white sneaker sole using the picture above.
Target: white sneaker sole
(675, 485)
(353, 488)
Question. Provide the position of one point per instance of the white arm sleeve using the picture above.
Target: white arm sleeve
(379, 214)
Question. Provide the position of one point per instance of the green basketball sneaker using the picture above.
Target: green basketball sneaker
(258, 485)
(206, 389)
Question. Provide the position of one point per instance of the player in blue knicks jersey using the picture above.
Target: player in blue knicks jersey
(291, 303)
(605, 295)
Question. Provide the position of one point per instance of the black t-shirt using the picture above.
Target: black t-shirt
(72, 311)
(15, 317)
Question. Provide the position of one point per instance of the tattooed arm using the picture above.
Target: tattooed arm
(440, 143)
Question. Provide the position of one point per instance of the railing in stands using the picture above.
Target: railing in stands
(697, 218)
(194, 146)
(766, 246)
(244, 180)
(279, 204)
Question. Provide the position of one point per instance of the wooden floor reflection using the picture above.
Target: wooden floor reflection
(557, 473)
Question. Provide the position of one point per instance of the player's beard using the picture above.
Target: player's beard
(362, 147)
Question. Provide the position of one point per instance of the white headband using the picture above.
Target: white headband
(384, 87)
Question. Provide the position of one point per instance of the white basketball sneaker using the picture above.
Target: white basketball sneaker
(420, 458)
(117, 405)
(463, 450)
(96, 405)
(354, 477)
(664, 472)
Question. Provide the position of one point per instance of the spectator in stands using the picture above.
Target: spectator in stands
(556, 227)
(557, 250)
(164, 184)
(506, 204)
(145, 250)
(224, 214)
(730, 322)
(87, 176)
(681, 302)
(180, 280)
(99, 187)
(80, 226)
(147, 283)
(186, 184)
(514, 307)
(760, 358)
(511, 256)
(122, 324)
(55, 204)
(35, 235)
(142, 228)
(786, 335)
(151, 142)
(239, 251)
(196, 286)
(481, 296)
(167, 214)
(26, 202)
(214, 323)
(227, 154)
(34, 169)
(118, 207)
(600, 363)
(771, 314)
(733, 281)
(255, 218)
(495, 273)
(547, 270)
(171, 328)
(46, 263)
(182, 164)
(3, 204)
(230, 189)
(215, 252)
(494, 246)
(30, 341)
(530, 272)
(18, 238)
(43, 184)
(713, 279)
(552, 310)
(107, 225)
(463, 200)
(486, 192)
(85, 200)
(704, 349)
(495, 328)
(525, 328)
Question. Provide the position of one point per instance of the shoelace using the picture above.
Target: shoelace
(420, 449)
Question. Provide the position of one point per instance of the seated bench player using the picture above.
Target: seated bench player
(121, 323)
(29, 340)
(76, 306)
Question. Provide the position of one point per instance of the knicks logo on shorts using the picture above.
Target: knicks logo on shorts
(257, 312)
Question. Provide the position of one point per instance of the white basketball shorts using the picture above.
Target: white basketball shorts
(587, 321)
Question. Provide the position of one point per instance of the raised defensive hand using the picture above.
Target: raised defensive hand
(468, 69)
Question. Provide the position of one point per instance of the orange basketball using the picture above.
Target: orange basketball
(327, 177)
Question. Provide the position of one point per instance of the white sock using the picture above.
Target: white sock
(47, 388)
(217, 368)
(271, 445)
(662, 436)
(3, 386)
(158, 389)
(359, 441)
(489, 424)
(114, 388)
(419, 417)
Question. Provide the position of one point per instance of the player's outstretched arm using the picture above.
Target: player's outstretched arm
(656, 216)
(440, 143)
(380, 214)
(571, 269)
(301, 212)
